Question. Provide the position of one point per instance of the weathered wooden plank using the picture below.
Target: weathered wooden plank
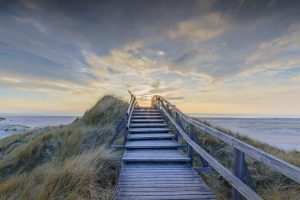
(165, 184)
(130, 108)
(165, 189)
(146, 113)
(147, 125)
(199, 197)
(239, 166)
(192, 136)
(149, 130)
(158, 166)
(148, 121)
(157, 136)
(145, 110)
(149, 175)
(147, 117)
(160, 179)
(163, 173)
(156, 181)
(168, 196)
(163, 193)
(149, 144)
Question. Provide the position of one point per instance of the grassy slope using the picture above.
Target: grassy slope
(65, 162)
(269, 184)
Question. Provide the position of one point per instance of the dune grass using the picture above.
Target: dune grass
(267, 183)
(64, 162)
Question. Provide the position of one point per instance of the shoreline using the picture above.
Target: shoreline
(283, 135)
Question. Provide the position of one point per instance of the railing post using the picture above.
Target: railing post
(177, 119)
(239, 165)
(203, 161)
(126, 128)
(192, 136)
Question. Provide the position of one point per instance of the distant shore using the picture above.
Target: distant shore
(10, 125)
(282, 133)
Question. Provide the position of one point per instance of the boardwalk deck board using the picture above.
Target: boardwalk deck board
(152, 144)
(161, 155)
(153, 165)
(147, 117)
(151, 125)
(157, 136)
(147, 120)
(146, 113)
(149, 130)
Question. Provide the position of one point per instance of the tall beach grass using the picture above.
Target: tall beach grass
(64, 162)
(267, 183)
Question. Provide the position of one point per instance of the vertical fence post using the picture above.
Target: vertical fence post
(192, 136)
(177, 119)
(239, 166)
(126, 128)
(203, 161)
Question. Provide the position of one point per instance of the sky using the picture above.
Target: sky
(236, 57)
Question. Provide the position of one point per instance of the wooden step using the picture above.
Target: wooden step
(147, 121)
(161, 181)
(146, 117)
(157, 156)
(149, 130)
(146, 113)
(156, 136)
(147, 125)
(144, 108)
(138, 111)
(151, 144)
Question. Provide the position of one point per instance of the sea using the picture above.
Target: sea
(10, 124)
(279, 131)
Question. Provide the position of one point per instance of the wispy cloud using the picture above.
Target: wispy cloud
(207, 55)
(199, 29)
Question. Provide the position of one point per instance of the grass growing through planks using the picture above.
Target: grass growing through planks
(267, 183)
(64, 162)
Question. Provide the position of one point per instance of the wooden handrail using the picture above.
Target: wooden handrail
(245, 190)
(276, 164)
(124, 123)
(132, 102)
(130, 108)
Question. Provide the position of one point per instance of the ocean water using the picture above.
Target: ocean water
(280, 132)
(15, 124)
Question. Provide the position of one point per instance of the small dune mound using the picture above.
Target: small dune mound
(64, 162)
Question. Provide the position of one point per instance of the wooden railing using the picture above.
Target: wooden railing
(131, 106)
(124, 122)
(237, 178)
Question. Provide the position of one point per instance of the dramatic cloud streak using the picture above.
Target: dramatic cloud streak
(208, 56)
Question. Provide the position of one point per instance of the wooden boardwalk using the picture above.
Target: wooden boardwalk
(154, 166)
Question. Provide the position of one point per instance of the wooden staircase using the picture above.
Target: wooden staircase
(154, 166)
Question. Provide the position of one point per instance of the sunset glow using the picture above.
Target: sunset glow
(205, 56)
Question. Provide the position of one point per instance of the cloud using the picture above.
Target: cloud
(279, 54)
(126, 60)
(200, 29)
(206, 51)
(161, 53)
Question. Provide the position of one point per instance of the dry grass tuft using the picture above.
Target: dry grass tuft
(66, 162)
(269, 184)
